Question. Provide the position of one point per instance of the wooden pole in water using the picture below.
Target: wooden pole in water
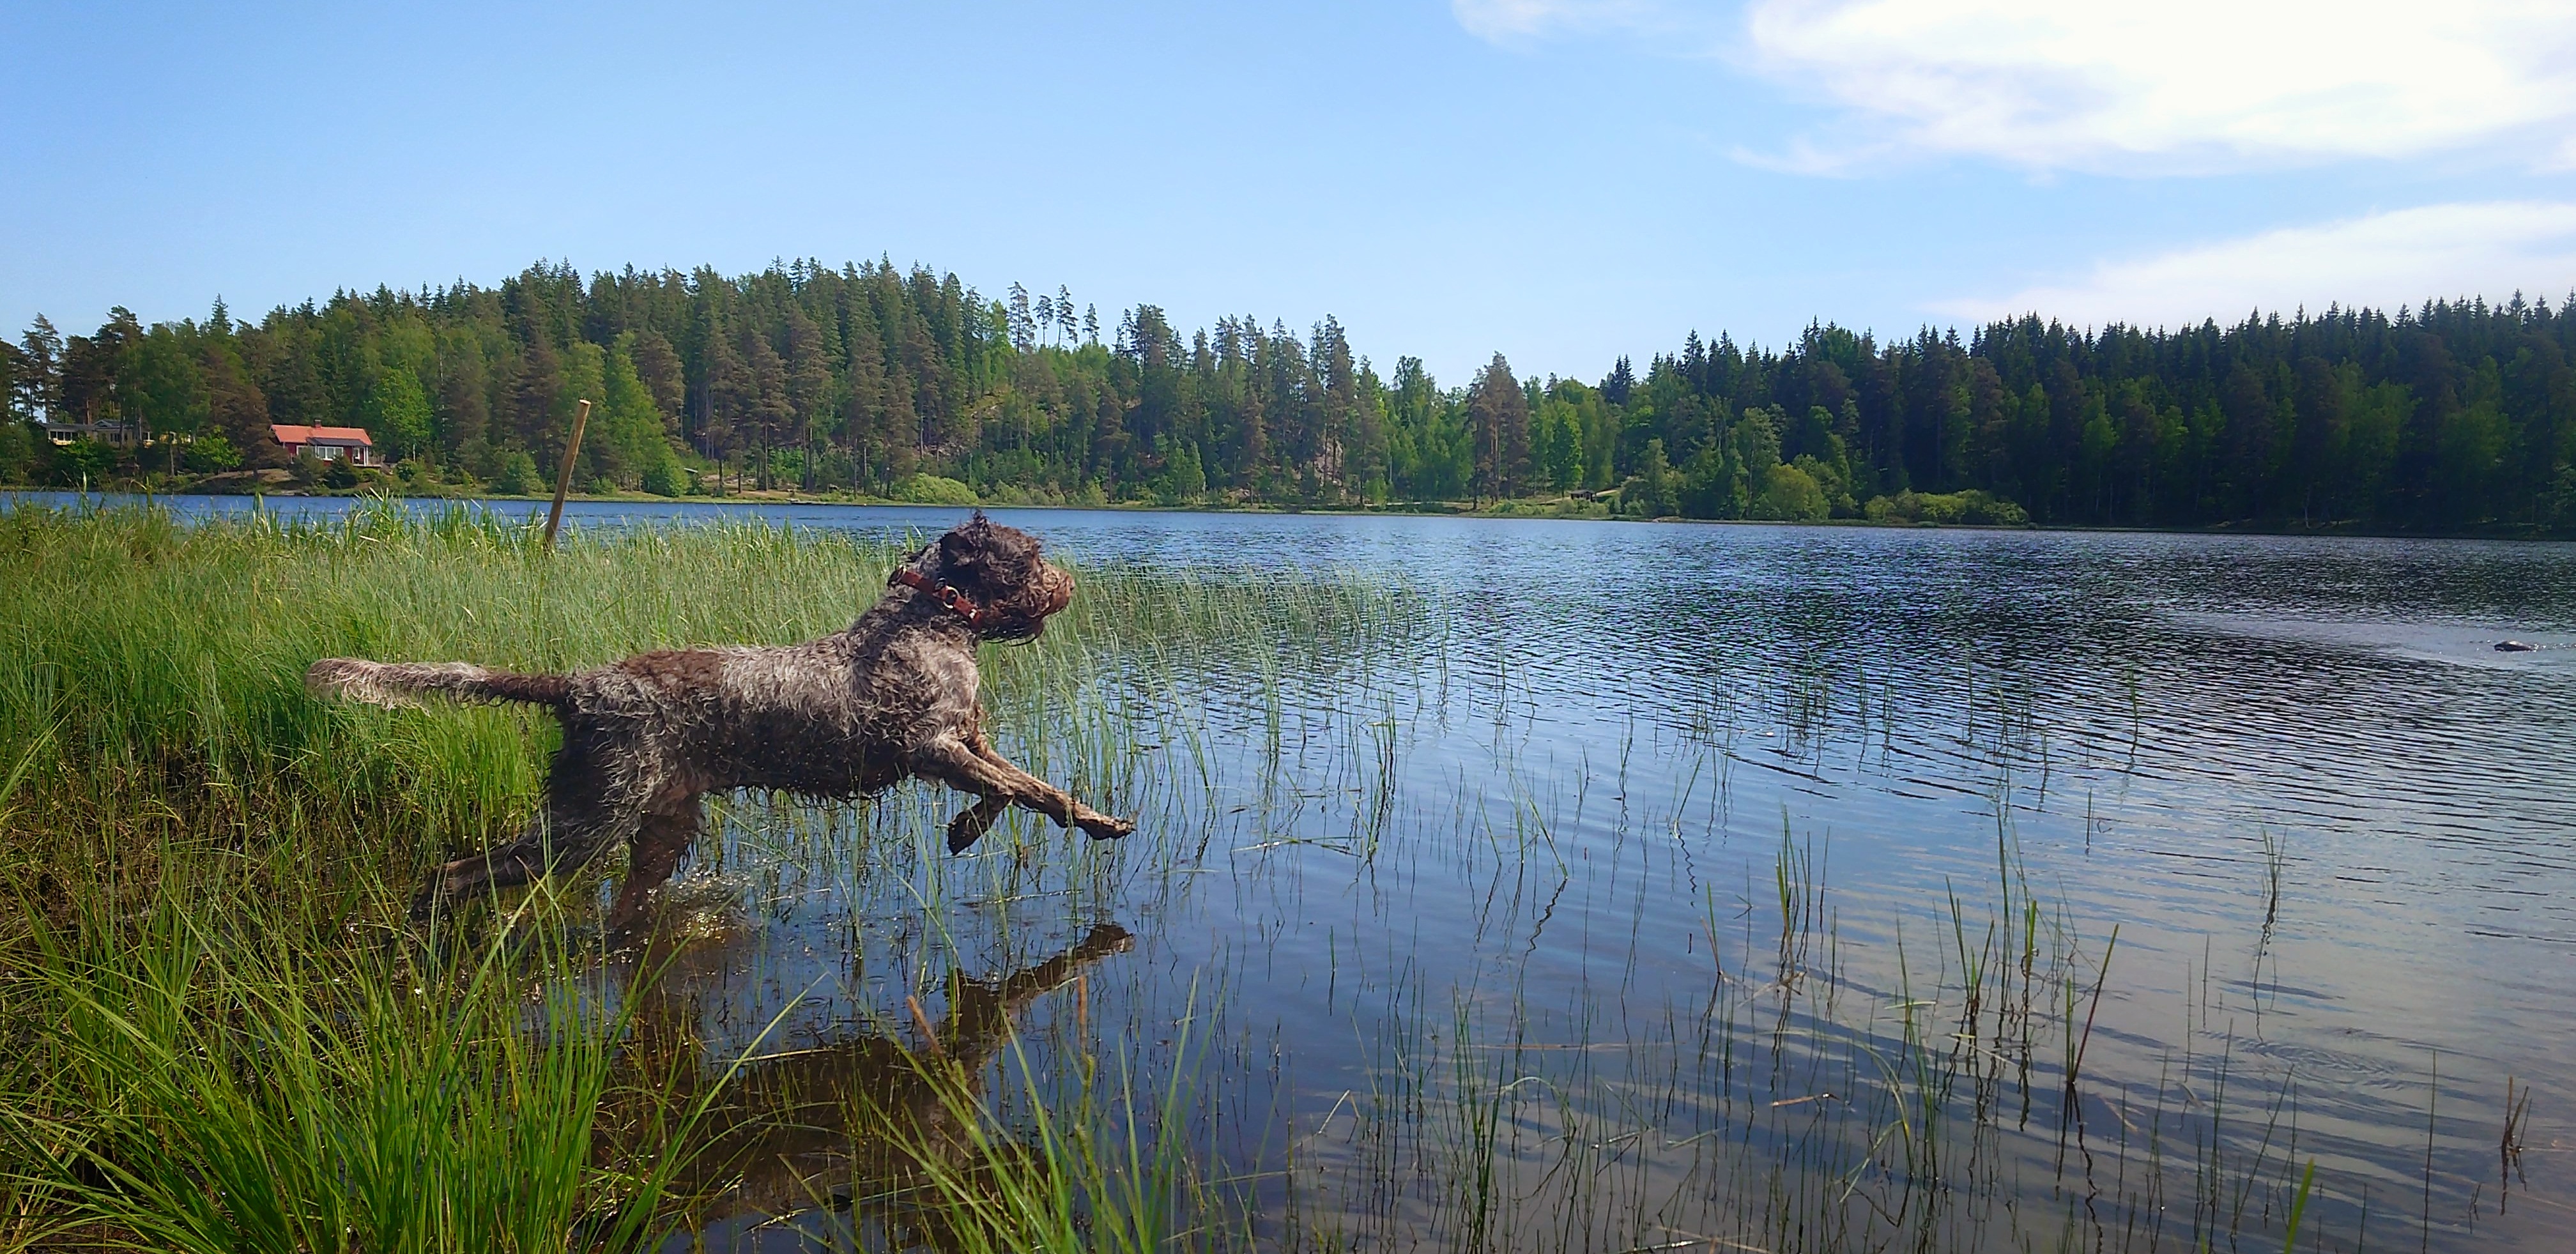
(563, 475)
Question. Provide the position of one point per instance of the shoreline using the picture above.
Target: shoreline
(1536, 511)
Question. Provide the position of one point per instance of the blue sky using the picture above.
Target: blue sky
(1560, 180)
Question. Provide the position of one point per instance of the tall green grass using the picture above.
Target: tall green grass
(156, 669)
(207, 1080)
(214, 1033)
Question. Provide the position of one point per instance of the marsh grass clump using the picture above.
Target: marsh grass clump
(165, 661)
(1819, 1100)
(211, 1075)
(1099, 1165)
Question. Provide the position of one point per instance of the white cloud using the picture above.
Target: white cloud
(2190, 82)
(2121, 86)
(2381, 260)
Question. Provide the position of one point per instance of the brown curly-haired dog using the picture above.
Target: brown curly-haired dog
(840, 717)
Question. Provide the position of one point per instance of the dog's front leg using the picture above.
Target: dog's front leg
(990, 776)
(1097, 825)
(972, 822)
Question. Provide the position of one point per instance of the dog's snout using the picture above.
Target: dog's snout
(1059, 588)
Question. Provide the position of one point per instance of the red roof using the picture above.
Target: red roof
(288, 433)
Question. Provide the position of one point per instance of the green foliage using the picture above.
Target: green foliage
(626, 441)
(17, 451)
(1560, 446)
(1183, 480)
(211, 453)
(397, 414)
(1713, 484)
(665, 476)
(1790, 494)
(1499, 412)
(82, 461)
(514, 473)
(1833, 483)
(1651, 494)
(927, 489)
(159, 385)
(1972, 507)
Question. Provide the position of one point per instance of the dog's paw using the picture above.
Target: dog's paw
(970, 825)
(429, 902)
(1104, 827)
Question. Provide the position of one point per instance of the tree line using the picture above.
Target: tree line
(874, 379)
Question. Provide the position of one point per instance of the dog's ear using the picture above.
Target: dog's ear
(963, 546)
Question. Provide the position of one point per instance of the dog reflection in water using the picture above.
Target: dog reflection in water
(850, 1119)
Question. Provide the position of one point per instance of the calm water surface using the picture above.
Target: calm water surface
(1530, 843)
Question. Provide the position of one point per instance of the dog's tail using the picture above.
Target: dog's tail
(397, 685)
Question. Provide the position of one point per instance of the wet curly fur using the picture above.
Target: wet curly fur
(644, 739)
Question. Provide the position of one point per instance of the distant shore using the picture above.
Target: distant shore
(1559, 508)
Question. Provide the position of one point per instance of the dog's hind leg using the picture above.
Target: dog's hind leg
(587, 810)
(502, 866)
(991, 777)
(665, 834)
(546, 849)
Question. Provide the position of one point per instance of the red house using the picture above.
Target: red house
(328, 443)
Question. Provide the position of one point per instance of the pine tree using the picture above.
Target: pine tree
(1022, 327)
(90, 364)
(235, 409)
(534, 387)
(810, 396)
(770, 415)
(463, 386)
(658, 368)
(39, 378)
(628, 425)
(727, 397)
(1500, 413)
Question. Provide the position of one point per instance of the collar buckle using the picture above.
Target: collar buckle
(948, 597)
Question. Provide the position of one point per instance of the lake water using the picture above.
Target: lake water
(1498, 890)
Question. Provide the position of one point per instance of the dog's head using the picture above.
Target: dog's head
(1001, 569)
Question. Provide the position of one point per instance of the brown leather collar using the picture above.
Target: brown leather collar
(958, 602)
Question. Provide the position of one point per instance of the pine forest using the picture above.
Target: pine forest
(869, 380)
